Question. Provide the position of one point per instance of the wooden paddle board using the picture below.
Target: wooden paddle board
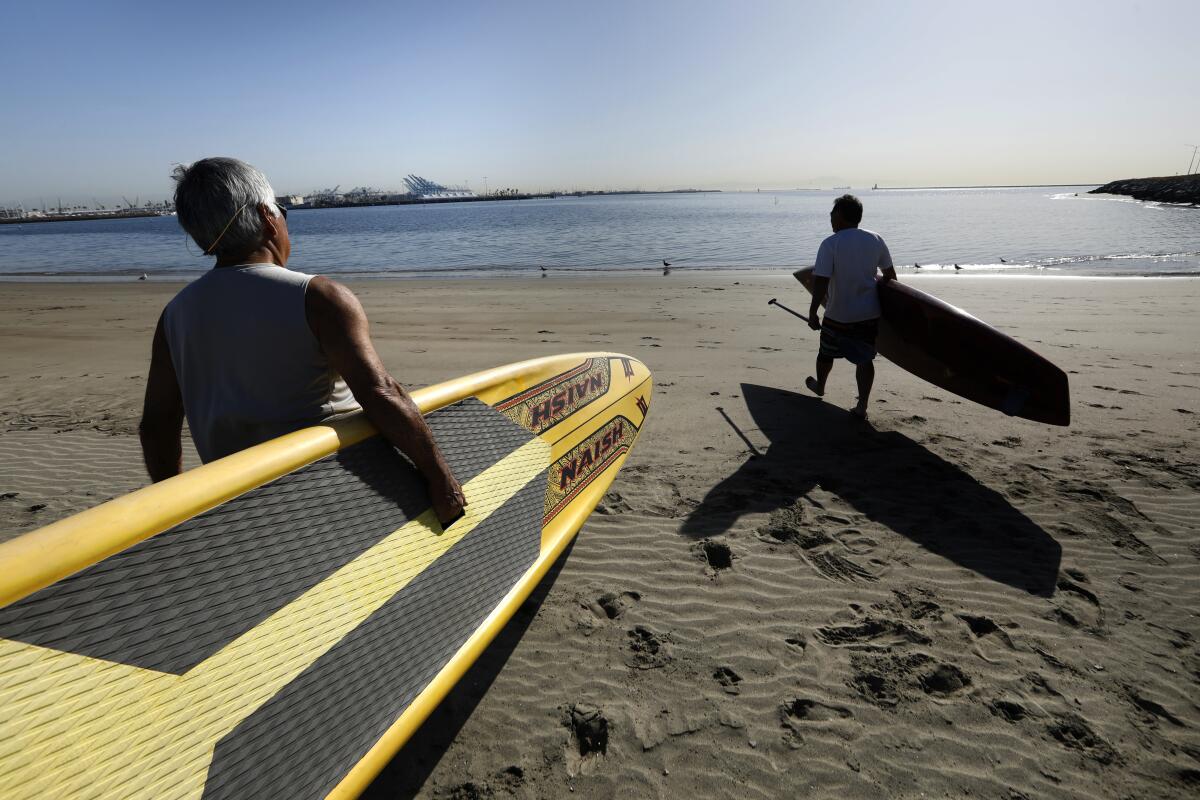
(962, 354)
(279, 622)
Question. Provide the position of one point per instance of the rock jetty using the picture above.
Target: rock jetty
(1176, 189)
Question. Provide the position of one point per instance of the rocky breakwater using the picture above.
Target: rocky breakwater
(1176, 189)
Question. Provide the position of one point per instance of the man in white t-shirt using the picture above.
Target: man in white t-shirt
(846, 267)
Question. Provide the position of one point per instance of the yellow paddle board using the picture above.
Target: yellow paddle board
(279, 622)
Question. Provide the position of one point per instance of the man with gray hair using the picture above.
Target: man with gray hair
(252, 350)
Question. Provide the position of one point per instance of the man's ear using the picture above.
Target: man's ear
(270, 221)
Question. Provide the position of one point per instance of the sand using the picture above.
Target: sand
(773, 601)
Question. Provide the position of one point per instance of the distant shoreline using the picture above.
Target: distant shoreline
(990, 186)
(85, 216)
(489, 198)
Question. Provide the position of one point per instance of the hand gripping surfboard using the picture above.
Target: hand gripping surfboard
(279, 622)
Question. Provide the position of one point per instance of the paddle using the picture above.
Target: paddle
(774, 302)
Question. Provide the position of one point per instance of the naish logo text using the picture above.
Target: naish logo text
(595, 452)
(576, 470)
(542, 407)
(566, 398)
(589, 459)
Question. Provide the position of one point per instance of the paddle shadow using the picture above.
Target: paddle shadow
(407, 772)
(885, 476)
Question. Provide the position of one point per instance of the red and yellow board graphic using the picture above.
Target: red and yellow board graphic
(575, 471)
(542, 407)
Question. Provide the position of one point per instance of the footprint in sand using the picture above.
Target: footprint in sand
(915, 603)
(1077, 607)
(647, 649)
(804, 709)
(797, 642)
(834, 567)
(885, 680)
(871, 633)
(944, 680)
(612, 504)
(589, 728)
(1073, 731)
(1008, 710)
(728, 679)
(981, 627)
(587, 743)
(717, 555)
(790, 526)
(855, 541)
(612, 605)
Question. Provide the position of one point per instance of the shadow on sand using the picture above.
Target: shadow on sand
(406, 774)
(885, 476)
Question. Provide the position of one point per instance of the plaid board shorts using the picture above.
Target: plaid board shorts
(853, 341)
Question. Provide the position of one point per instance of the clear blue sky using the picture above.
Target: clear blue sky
(100, 98)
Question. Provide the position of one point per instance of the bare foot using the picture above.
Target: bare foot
(859, 412)
(813, 387)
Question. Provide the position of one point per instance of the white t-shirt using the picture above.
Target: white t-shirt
(850, 258)
(248, 366)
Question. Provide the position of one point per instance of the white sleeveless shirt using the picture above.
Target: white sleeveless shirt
(249, 367)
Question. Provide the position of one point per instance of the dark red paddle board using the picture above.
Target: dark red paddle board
(964, 355)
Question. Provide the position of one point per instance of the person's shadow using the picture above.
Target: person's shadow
(888, 478)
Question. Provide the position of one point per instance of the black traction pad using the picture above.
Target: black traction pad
(322, 723)
(173, 600)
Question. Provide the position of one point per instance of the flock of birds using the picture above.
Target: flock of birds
(957, 268)
(667, 267)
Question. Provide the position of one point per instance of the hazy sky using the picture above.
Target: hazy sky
(100, 98)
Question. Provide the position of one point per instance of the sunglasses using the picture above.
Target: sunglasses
(282, 210)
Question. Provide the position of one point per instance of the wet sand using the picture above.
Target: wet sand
(773, 600)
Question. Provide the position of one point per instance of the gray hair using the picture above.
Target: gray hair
(217, 192)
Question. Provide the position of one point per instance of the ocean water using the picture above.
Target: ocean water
(1039, 231)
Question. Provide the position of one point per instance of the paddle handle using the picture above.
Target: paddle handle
(774, 302)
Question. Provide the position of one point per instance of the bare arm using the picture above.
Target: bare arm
(820, 287)
(162, 413)
(885, 262)
(338, 321)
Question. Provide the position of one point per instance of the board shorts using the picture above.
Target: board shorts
(853, 341)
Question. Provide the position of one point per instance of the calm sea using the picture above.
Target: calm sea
(1044, 231)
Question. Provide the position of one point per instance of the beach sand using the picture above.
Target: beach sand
(772, 601)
